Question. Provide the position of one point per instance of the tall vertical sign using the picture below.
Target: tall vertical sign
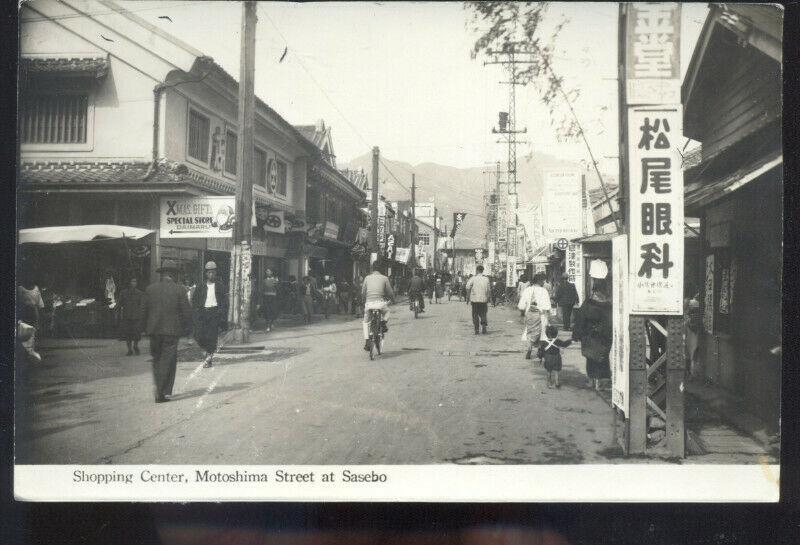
(620, 341)
(574, 270)
(652, 53)
(562, 203)
(656, 210)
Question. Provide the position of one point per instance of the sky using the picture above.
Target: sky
(399, 75)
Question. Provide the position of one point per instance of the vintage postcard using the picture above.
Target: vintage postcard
(400, 251)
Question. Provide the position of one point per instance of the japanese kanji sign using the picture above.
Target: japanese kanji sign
(574, 268)
(656, 210)
(652, 64)
(512, 240)
(458, 219)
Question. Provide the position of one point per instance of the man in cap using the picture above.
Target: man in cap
(166, 316)
(210, 303)
(567, 299)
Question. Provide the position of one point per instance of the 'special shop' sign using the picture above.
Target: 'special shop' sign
(196, 217)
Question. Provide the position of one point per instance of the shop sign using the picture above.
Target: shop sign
(656, 210)
(708, 300)
(511, 239)
(491, 251)
(620, 342)
(422, 259)
(390, 246)
(297, 225)
(652, 63)
(402, 255)
(562, 203)
(331, 230)
(511, 271)
(478, 255)
(273, 221)
(196, 217)
(574, 268)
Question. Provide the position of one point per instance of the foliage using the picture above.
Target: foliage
(504, 25)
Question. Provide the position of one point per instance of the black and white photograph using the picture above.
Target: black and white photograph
(456, 251)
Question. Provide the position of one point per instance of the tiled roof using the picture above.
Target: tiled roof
(93, 66)
(89, 173)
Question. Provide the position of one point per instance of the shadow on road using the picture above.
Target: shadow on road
(199, 392)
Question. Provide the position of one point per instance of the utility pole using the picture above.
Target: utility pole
(376, 157)
(239, 312)
(413, 220)
(510, 56)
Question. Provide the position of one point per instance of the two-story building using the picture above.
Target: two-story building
(333, 210)
(117, 115)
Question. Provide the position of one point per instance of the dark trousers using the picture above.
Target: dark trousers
(566, 311)
(479, 314)
(164, 349)
(420, 297)
(269, 308)
(207, 328)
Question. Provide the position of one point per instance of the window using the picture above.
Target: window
(54, 119)
(281, 189)
(424, 238)
(199, 136)
(230, 152)
(260, 168)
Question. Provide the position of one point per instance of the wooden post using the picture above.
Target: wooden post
(241, 259)
(413, 221)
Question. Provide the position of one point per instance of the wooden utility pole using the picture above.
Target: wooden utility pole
(413, 221)
(373, 208)
(239, 313)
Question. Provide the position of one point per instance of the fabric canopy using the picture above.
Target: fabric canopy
(79, 233)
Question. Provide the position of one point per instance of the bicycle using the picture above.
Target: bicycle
(375, 333)
(415, 305)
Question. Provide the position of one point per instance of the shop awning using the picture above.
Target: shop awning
(700, 194)
(80, 233)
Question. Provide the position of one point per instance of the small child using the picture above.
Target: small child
(550, 351)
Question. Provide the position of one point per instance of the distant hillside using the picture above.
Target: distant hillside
(462, 189)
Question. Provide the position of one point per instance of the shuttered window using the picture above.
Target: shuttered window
(199, 136)
(54, 119)
(281, 189)
(261, 168)
(230, 152)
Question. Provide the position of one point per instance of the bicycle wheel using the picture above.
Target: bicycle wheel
(377, 343)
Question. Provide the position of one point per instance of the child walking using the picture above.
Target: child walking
(550, 352)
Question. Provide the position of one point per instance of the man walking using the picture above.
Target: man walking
(167, 316)
(210, 304)
(478, 289)
(269, 301)
(376, 293)
(417, 290)
(566, 298)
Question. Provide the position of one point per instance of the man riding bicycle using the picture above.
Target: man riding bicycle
(376, 293)
(417, 290)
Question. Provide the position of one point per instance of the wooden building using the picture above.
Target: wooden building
(732, 106)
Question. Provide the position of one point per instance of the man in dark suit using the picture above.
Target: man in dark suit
(210, 304)
(167, 316)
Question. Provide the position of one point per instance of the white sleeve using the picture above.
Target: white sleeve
(524, 300)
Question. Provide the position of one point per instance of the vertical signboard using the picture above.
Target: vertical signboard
(511, 271)
(620, 342)
(575, 269)
(652, 47)
(511, 241)
(656, 210)
(381, 227)
(708, 301)
(491, 252)
(562, 201)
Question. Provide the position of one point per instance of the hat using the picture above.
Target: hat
(598, 269)
(211, 266)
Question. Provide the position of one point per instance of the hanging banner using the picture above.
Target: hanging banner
(575, 269)
(708, 300)
(478, 255)
(511, 271)
(652, 64)
(196, 217)
(562, 203)
(458, 219)
(656, 210)
(491, 252)
(511, 241)
(620, 341)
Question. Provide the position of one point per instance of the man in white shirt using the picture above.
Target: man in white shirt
(478, 294)
(210, 305)
(376, 292)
